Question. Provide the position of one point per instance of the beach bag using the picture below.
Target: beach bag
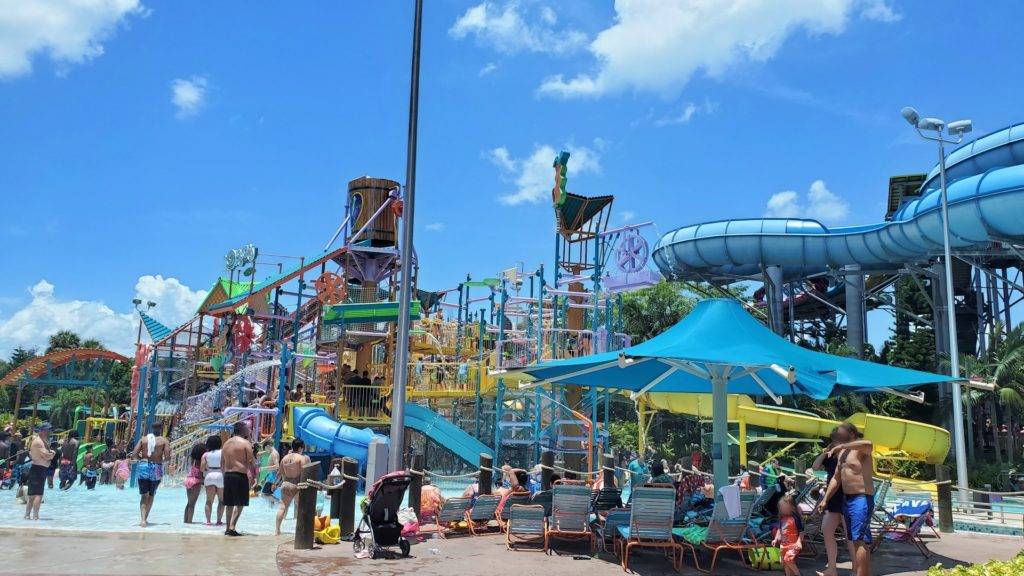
(767, 558)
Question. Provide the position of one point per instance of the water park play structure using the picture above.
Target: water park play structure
(253, 343)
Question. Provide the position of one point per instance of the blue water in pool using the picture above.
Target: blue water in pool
(108, 509)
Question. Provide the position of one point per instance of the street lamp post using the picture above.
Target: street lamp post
(956, 129)
(401, 370)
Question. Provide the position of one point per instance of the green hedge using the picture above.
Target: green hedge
(1013, 567)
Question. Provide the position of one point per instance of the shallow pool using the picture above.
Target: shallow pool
(111, 510)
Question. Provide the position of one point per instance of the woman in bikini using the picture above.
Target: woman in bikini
(288, 475)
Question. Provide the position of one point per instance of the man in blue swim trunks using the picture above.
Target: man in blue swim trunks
(855, 475)
(151, 451)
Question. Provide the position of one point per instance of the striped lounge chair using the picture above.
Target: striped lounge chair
(527, 523)
(650, 524)
(483, 512)
(570, 513)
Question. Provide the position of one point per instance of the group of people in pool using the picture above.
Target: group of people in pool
(31, 462)
(229, 471)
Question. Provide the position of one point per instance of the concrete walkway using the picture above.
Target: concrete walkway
(466, 556)
(63, 553)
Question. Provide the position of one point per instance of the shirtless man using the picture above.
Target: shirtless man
(69, 461)
(855, 475)
(288, 475)
(237, 460)
(41, 457)
(151, 451)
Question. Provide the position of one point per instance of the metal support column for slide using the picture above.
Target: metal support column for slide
(853, 282)
(282, 379)
(140, 399)
(773, 296)
(154, 382)
(479, 371)
(460, 318)
(720, 427)
(540, 313)
(941, 326)
(500, 395)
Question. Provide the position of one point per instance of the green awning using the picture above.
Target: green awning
(367, 313)
(577, 211)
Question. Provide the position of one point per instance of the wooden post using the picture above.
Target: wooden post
(486, 479)
(305, 509)
(799, 467)
(335, 495)
(547, 463)
(945, 496)
(347, 521)
(608, 471)
(416, 485)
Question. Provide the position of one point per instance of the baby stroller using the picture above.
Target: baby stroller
(380, 515)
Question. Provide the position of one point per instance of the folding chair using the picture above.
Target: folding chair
(608, 531)
(910, 534)
(526, 523)
(650, 525)
(484, 510)
(502, 513)
(570, 514)
(453, 510)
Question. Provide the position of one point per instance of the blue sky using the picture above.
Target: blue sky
(142, 140)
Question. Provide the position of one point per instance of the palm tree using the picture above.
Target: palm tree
(93, 344)
(64, 340)
(1007, 359)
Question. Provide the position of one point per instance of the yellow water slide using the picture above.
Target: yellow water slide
(893, 438)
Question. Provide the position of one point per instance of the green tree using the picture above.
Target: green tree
(93, 344)
(649, 312)
(19, 356)
(64, 340)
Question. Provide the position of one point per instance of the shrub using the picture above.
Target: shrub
(1012, 567)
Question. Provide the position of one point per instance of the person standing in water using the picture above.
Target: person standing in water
(834, 506)
(237, 460)
(289, 473)
(151, 452)
(41, 457)
(69, 461)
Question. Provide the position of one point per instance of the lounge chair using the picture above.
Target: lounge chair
(608, 530)
(453, 510)
(723, 533)
(570, 513)
(543, 498)
(607, 499)
(897, 530)
(501, 515)
(484, 509)
(526, 523)
(650, 524)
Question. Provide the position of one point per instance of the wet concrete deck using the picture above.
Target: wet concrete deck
(487, 555)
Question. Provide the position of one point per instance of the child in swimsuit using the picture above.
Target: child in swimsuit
(121, 473)
(788, 538)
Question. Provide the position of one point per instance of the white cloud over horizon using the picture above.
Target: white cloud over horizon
(189, 95)
(687, 113)
(512, 27)
(46, 313)
(533, 175)
(658, 45)
(820, 204)
(65, 31)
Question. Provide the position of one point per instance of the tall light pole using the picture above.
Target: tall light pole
(401, 369)
(956, 129)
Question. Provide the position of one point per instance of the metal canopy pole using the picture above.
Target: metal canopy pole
(719, 425)
(401, 369)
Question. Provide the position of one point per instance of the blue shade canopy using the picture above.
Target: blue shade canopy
(719, 340)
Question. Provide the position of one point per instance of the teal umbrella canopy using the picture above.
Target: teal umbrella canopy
(719, 339)
(721, 349)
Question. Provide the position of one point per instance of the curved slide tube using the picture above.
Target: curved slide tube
(986, 203)
(892, 437)
(446, 434)
(315, 427)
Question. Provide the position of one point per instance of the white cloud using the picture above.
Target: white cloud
(690, 109)
(511, 28)
(31, 325)
(880, 11)
(68, 31)
(821, 204)
(189, 95)
(434, 227)
(627, 215)
(490, 67)
(533, 175)
(658, 45)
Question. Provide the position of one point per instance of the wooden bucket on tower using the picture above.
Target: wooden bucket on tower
(365, 196)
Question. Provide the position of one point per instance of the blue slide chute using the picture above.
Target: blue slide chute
(315, 427)
(446, 434)
(985, 185)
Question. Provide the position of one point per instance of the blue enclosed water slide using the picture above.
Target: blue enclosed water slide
(985, 186)
(316, 428)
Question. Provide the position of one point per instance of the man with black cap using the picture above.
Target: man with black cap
(41, 457)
